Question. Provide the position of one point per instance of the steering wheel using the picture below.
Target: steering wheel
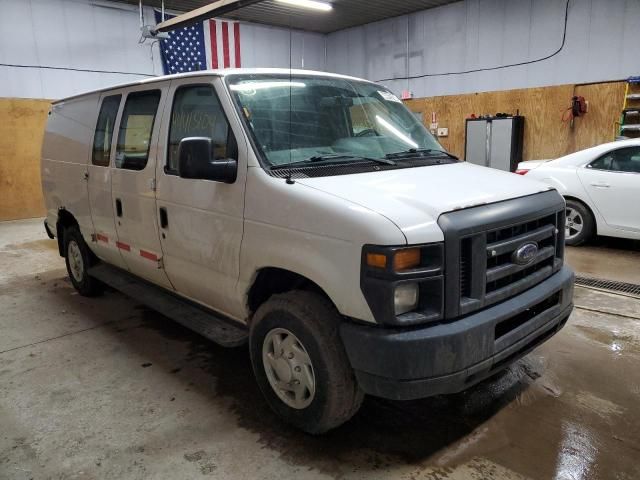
(367, 132)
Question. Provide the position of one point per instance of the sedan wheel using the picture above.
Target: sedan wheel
(574, 224)
(579, 224)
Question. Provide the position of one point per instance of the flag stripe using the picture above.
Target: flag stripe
(236, 31)
(232, 55)
(225, 44)
(214, 43)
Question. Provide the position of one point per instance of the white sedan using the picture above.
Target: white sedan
(601, 186)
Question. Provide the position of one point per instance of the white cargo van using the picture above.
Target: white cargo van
(314, 217)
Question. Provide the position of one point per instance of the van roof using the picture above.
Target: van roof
(214, 73)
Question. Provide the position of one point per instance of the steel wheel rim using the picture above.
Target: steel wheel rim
(288, 368)
(574, 223)
(76, 264)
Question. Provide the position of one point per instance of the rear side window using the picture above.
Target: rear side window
(197, 113)
(136, 126)
(104, 131)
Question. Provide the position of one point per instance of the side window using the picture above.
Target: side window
(104, 131)
(197, 113)
(136, 126)
(626, 160)
(603, 162)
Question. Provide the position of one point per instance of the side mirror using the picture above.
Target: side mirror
(194, 161)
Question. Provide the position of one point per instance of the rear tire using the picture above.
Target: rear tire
(300, 363)
(78, 259)
(579, 223)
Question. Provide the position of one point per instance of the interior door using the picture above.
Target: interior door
(201, 220)
(104, 235)
(133, 184)
(613, 184)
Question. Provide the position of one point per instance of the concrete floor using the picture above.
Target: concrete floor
(104, 388)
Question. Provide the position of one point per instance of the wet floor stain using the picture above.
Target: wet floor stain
(618, 342)
(600, 406)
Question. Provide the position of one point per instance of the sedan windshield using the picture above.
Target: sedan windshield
(299, 119)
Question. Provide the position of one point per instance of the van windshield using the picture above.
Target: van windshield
(295, 119)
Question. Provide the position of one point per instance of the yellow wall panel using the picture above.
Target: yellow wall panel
(22, 123)
(545, 134)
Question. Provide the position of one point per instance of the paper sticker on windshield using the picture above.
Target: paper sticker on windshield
(389, 97)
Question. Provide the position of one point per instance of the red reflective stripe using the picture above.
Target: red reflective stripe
(225, 44)
(123, 246)
(236, 37)
(102, 238)
(214, 43)
(149, 255)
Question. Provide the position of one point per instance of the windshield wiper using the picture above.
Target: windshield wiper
(329, 158)
(420, 152)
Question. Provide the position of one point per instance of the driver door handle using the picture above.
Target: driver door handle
(600, 184)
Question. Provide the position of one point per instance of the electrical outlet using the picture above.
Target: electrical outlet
(443, 132)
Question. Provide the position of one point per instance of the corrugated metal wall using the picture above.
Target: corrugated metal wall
(601, 45)
(86, 35)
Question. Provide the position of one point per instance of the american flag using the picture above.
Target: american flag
(210, 44)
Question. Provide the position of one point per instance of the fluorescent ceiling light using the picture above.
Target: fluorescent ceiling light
(249, 86)
(313, 4)
(396, 132)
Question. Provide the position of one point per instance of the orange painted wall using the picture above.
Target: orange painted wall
(22, 123)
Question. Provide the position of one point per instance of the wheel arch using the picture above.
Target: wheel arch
(269, 281)
(65, 220)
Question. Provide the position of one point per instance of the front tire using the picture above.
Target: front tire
(579, 223)
(78, 259)
(300, 363)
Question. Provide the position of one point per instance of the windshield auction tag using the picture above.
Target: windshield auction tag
(389, 97)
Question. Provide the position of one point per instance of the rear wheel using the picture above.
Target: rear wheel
(579, 223)
(78, 258)
(300, 363)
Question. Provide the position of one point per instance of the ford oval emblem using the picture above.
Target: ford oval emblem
(525, 254)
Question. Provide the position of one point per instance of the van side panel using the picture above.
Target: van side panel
(65, 153)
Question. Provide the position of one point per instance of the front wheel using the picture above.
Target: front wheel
(78, 259)
(300, 363)
(579, 223)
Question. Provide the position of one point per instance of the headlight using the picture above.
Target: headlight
(404, 284)
(405, 298)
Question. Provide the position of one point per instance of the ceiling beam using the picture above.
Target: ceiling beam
(214, 9)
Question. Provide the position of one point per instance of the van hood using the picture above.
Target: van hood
(414, 198)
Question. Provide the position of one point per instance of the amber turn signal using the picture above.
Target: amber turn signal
(406, 259)
(377, 260)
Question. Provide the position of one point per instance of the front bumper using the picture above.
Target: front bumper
(410, 363)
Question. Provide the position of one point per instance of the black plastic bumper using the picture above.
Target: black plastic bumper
(412, 363)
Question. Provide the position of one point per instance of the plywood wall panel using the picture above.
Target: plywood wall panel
(545, 134)
(22, 124)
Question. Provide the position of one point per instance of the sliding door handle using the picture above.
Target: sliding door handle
(164, 219)
(118, 207)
